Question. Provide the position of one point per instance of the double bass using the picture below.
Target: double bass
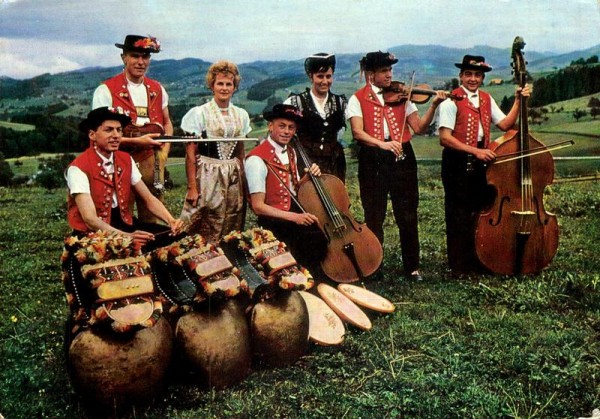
(516, 235)
(353, 250)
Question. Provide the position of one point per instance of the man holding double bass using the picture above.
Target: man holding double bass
(464, 129)
(147, 102)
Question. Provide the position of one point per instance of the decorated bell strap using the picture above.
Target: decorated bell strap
(271, 259)
(213, 271)
(125, 293)
(171, 279)
(258, 286)
(192, 260)
(79, 250)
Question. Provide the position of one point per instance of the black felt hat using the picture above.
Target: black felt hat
(474, 62)
(96, 117)
(284, 111)
(374, 60)
(138, 43)
(320, 61)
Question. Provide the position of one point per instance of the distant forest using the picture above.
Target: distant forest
(581, 78)
(55, 134)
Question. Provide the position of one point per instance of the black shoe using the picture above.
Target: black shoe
(414, 276)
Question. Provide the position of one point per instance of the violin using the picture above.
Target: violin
(158, 155)
(398, 92)
(353, 250)
(516, 235)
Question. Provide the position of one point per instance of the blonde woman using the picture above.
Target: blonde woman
(214, 202)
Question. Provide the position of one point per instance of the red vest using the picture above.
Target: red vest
(117, 86)
(276, 194)
(101, 187)
(466, 128)
(374, 113)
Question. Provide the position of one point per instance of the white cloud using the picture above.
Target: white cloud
(34, 32)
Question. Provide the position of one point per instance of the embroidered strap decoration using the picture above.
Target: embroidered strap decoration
(108, 282)
(125, 295)
(193, 261)
(271, 259)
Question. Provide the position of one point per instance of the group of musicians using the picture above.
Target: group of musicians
(220, 178)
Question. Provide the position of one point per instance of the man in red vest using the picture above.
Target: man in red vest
(101, 180)
(386, 161)
(147, 103)
(464, 129)
(273, 178)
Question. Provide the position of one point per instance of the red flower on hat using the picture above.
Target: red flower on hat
(294, 111)
(118, 110)
(148, 43)
(479, 63)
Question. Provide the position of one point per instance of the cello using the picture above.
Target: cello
(353, 250)
(516, 235)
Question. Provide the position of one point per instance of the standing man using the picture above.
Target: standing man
(147, 102)
(323, 116)
(464, 129)
(386, 161)
(273, 178)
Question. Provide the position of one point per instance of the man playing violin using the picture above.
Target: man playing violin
(147, 102)
(273, 179)
(386, 161)
(464, 129)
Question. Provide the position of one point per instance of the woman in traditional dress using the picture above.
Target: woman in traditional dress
(323, 116)
(214, 202)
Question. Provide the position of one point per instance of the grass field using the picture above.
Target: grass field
(17, 127)
(485, 346)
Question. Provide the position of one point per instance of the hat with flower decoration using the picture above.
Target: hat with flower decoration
(284, 111)
(138, 43)
(474, 62)
(374, 60)
(97, 116)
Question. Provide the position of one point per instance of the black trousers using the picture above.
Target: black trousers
(380, 176)
(307, 244)
(466, 195)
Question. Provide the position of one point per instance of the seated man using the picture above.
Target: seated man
(273, 179)
(101, 181)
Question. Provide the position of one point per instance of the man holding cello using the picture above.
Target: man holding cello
(147, 103)
(386, 161)
(464, 129)
(273, 179)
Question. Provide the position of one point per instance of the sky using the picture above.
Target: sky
(52, 36)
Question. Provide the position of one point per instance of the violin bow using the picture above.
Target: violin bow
(532, 152)
(402, 156)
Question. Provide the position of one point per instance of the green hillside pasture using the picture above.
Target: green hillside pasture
(485, 346)
(17, 127)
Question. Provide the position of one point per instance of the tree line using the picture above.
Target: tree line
(580, 78)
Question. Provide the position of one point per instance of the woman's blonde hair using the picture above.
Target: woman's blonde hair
(223, 67)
